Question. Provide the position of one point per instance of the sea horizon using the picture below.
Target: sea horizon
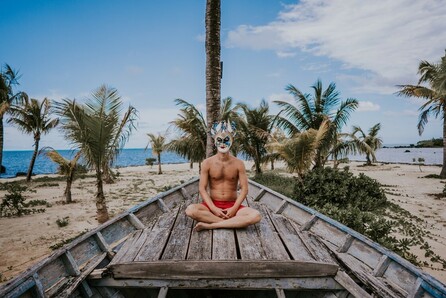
(17, 161)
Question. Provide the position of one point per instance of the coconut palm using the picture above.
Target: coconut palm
(97, 130)
(367, 143)
(191, 126)
(8, 79)
(158, 143)
(66, 168)
(254, 131)
(213, 68)
(311, 110)
(433, 76)
(33, 117)
(276, 136)
(300, 152)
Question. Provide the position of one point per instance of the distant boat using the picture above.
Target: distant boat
(152, 251)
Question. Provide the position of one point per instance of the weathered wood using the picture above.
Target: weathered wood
(400, 276)
(103, 245)
(85, 289)
(223, 245)
(135, 221)
(86, 250)
(384, 262)
(78, 280)
(346, 245)
(200, 245)
(304, 283)
(39, 290)
(269, 238)
(157, 238)
(306, 226)
(280, 293)
(259, 195)
(21, 289)
(163, 205)
(117, 231)
(417, 289)
(281, 207)
(189, 270)
(186, 195)
(350, 285)
(365, 275)
(70, 264)
(290, 237)
(163, 292)
(128, 245)
(249, 243)
(365, 253)
(176, 247)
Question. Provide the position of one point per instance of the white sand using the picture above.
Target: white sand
(26, 240)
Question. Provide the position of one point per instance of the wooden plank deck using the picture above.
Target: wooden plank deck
(172, 238)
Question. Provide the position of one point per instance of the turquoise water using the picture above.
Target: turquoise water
(18, 161)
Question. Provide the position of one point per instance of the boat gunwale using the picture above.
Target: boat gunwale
(427, 279)
(29, 272)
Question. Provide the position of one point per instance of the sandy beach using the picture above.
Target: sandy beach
(26, 240)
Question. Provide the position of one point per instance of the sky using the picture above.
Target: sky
(153, 52)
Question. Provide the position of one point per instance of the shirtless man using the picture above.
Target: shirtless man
(222, 206)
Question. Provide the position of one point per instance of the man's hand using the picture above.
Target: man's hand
(231, 212)
(219, 212)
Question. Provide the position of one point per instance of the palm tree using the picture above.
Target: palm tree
(191, 126)
(158, 146)
(96, 129)
(254, 132)
(66, 168)
(8, 79)
(367, 144)
(300, 152)
(213, 68)
(434, 75)
(33, 117)
(311, 110)
(277, 136)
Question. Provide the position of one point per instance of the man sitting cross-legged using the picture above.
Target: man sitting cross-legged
(222, 206)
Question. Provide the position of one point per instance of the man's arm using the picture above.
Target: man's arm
(243, 181)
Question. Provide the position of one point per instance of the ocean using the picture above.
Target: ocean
(18, 161)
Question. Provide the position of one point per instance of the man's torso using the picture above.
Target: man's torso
(223, 179)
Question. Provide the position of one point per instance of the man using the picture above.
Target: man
(222, 206)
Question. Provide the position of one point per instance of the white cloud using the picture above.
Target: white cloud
(410, 113)
(386, 38)
(367, 106)
(285, 54)
(281, 96)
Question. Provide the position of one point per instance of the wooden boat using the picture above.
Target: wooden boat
(152, 251)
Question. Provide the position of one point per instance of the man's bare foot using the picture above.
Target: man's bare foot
(202, 226)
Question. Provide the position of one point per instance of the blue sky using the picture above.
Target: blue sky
(153, 52)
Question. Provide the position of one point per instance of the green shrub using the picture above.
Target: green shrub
(340, 188)
(13, 204)
(150, 161)
(63, 222)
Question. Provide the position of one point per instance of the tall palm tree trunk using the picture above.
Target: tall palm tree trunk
(101, 207)
(443, 168)
(33, 159)
(213, 68)
(2, 169)
(159, 164)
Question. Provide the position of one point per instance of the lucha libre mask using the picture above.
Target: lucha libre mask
(223, 133)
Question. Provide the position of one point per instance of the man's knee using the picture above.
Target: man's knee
(255, 217)
(191, 211)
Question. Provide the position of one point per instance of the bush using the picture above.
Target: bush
(150, 161)
(341, 189)
(13, 204)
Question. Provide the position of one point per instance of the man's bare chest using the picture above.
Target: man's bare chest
(223, 173)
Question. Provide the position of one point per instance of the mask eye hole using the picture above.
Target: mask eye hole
(219, 140)
(226, 139)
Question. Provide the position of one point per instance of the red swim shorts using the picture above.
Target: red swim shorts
(223, 204)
